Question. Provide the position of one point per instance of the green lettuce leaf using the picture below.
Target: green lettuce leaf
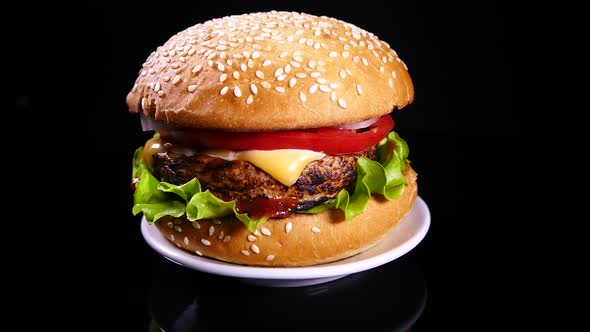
(384, 177)
(157, 199)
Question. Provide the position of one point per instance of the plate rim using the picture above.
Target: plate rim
(158, 243)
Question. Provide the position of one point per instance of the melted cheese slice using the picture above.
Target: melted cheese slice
(285, 165)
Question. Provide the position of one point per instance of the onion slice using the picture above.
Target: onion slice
(150, 124)
(359, 125)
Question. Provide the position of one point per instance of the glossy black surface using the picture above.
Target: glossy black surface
(478, 69)
(202, 303)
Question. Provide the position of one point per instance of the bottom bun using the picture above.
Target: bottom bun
(299, 240)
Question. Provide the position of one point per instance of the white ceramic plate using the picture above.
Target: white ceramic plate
(395, 244)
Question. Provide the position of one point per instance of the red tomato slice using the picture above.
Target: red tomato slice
(329, 140)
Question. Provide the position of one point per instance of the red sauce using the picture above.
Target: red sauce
(134, 183)
(267, 207)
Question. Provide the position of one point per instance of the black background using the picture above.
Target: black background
(479, 72)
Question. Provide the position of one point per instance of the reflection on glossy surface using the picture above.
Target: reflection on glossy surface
(389, 298)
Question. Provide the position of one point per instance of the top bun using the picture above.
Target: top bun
(271, 71)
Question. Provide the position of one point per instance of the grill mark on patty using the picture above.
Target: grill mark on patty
(319, 181)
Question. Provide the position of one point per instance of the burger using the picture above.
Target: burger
(273, 141)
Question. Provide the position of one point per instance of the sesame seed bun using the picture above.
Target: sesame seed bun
(309, 240)
(269, 71)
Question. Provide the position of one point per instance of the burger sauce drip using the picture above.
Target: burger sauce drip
(267, 207)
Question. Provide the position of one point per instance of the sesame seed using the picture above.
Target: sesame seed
(315, 74)
(161, 93)
(384, 59)
(186, 241)
(302, 40)
(249, 100)
(170, 225)
(226, 238)
(324, 88)
(265, 231)
(316, 45)
(302, 96)
(143, 72)
(211, 56)
(301, 75)
(236, 75)
(197, 69)
(348, 71)
(356, 59)
(315, 229)
(393, 74)
(178, 245)
(237, 91)
(259, 74)
(284, 54)
(182, 59)
(172, 237)
(365, 61)
(266, 63)
(313, 88)
(174, 65)
(253, 88)
(270, 258)
(245, 252)
(288, 68)
(298, 58)
(255, 55)
(178, 222)
(217, 221)
(359, 89)
(192, 88)
(298, 32)
(280, 89)
(196, 224)
(211, 230)
(176, 79)
(322, 80)
(292, 82)
(309, 42)
(311, 64)
(210, 63)
(295, 64)
(220, 235)
(178, 229)
(152, 71)
(265, 85)
(333, 54)
(223, 90)
(221, 47)
(257, 233)
(281, 77)
(255, 249)
(243, 67)
(191, 51)
(279, 72)
(333, 96)
(205, 242)
(288, 227)
(220, 66)
(250, 63)
(252, 238)
(390, 83)
(345, 54)
(341, 103)
(198, 253)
